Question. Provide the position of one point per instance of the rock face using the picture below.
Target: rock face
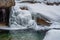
(7, 3)
(42, 22)
(4, 16)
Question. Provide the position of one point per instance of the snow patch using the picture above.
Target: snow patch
(52, 35)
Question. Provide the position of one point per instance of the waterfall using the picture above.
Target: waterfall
(21, 19)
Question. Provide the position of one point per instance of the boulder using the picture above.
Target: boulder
(7, 3)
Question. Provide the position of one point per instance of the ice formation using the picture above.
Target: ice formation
(23, 18)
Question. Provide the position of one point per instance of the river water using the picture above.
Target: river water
(27, 35)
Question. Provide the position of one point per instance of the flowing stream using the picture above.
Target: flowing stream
(28, 35)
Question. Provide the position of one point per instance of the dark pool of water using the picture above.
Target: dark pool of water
(28, 35)
(23, 35)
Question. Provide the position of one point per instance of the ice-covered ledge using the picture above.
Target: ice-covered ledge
(24, 28)
(11, 28)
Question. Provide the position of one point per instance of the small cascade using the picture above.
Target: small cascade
(22, 19)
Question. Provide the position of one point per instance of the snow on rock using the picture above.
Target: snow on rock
(52, 1)
(52, 35)
(22, 0)
(50, 12)
(39, 0)
(49, 1)
(55, 25)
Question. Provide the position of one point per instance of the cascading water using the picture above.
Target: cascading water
(21, 19)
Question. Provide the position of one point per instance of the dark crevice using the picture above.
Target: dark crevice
(4, 16)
